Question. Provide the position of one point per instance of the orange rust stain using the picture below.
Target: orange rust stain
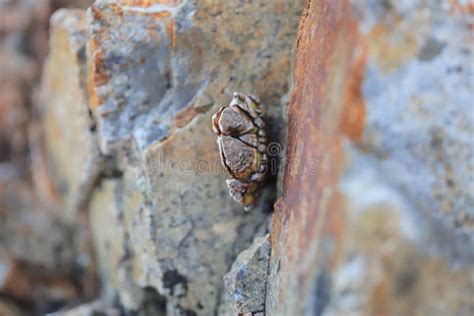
(93, 98)
(162, 14)
(171, 32)
(149, 3)
(159, 15)
(100, 75)
(354, 111)
(169, 2)
(456, 6)
(116, 9)
(97, 75)
(323, 214)
(138, 3)
(96, 13)
(327, 85)
(279, 216)
(187, 115)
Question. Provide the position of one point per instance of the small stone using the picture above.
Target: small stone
(246, 282)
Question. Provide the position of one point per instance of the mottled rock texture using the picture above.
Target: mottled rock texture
(158, 70)
(68, 148)
(245, 284)
(376, 212)
(42, 259)
(23, 47)
(8, 308)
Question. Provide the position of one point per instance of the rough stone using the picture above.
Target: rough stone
(181, 53)
(375, 213)
(158, 70)
(69, 149)
(245, 284)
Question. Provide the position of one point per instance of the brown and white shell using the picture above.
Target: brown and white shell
(242, 141)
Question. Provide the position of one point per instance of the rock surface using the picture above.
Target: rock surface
(376, 211)
(38, 252)
(375, 214)
(245, 284)
(157, 72)
(69, 149)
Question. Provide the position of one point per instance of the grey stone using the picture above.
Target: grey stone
(245, 284)
(419, 108)
(157, 73)
(382, 100)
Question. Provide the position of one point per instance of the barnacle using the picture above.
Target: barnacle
(242, 141)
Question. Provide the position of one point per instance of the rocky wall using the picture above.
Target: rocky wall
(112, 194)
(376, 212)
(147, 169)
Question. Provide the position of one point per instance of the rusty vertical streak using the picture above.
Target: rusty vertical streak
(326, 105)
(171, 32)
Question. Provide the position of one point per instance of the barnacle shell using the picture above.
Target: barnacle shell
(242, 140)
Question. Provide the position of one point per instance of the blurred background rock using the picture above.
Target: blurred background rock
(39, 266)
